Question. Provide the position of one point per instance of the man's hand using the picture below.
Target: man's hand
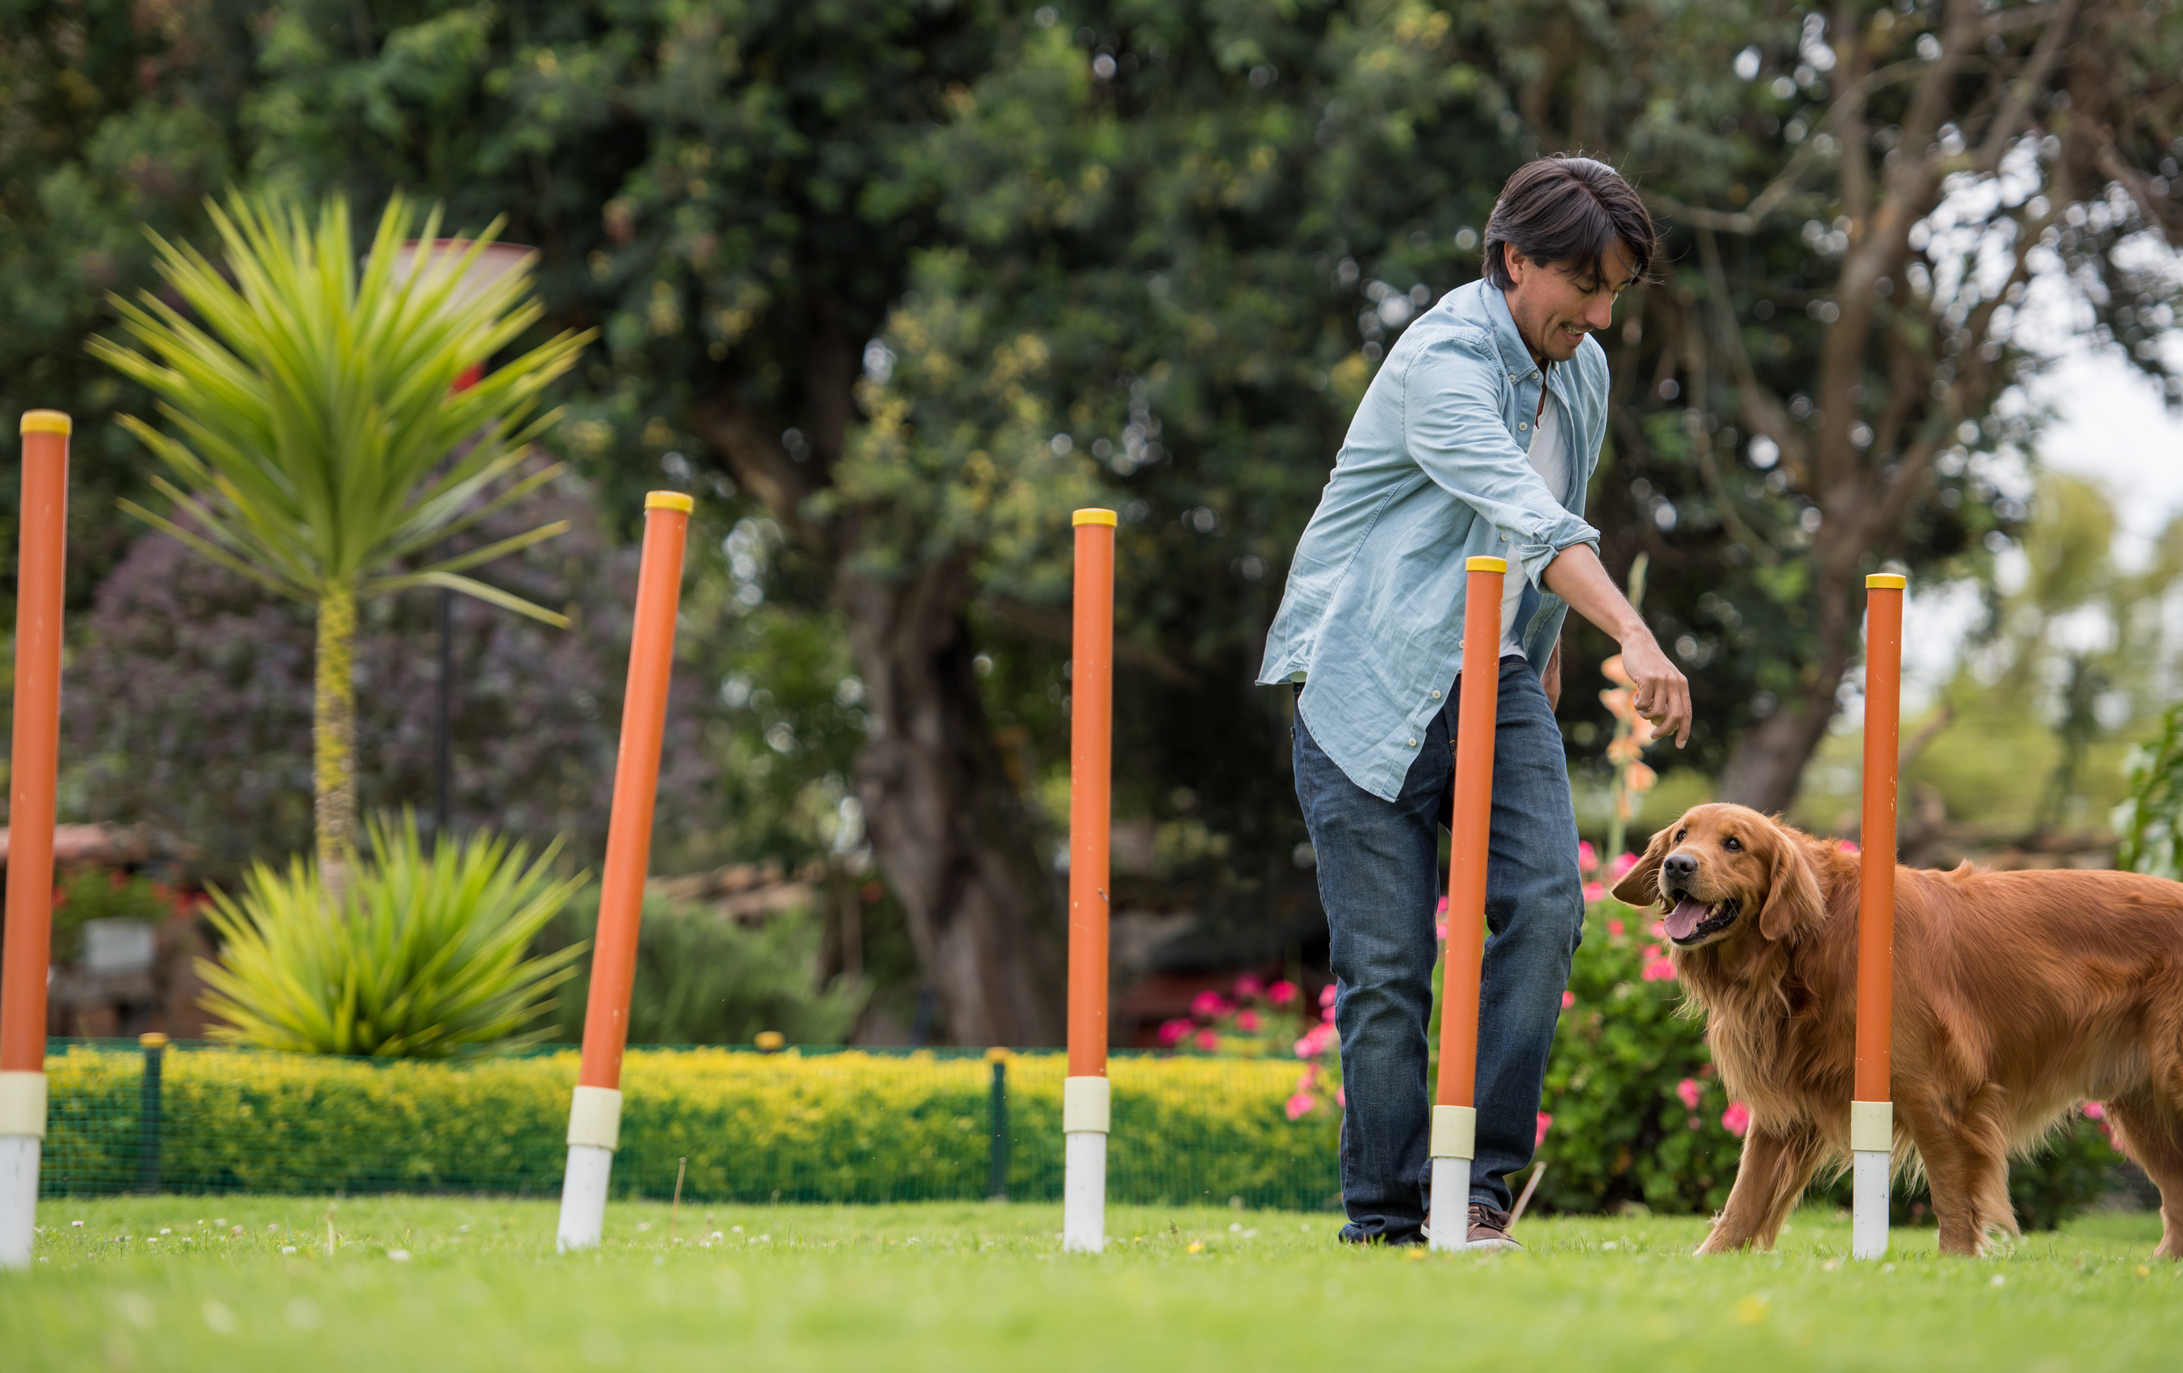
(1663, 693)
(1551, 679)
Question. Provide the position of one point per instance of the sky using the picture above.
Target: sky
(2111, 426)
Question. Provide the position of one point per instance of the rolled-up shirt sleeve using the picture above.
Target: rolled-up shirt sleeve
(1452, 421)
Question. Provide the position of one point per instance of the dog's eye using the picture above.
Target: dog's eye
(1732, 844)
(1679, 835)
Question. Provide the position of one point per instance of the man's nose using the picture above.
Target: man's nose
(1601, 313)
(1681, 866)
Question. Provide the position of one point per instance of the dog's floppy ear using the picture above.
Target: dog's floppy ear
(1792, 897)
(1640, 886)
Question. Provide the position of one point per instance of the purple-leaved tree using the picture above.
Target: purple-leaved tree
(189, 700)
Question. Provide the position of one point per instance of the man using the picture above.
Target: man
(1478, 436)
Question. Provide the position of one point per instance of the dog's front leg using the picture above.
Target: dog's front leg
(1772, 1174)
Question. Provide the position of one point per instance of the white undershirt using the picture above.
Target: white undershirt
(1550, 459)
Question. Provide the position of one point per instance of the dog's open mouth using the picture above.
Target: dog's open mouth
(1692, 920)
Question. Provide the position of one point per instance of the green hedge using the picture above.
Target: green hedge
(822, 1126)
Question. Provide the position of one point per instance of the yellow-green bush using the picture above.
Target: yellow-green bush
(847, 1126)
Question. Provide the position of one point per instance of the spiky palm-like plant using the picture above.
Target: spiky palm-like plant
(423, 958)
(315, 438)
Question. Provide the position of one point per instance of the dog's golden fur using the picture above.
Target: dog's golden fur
(2018, 995)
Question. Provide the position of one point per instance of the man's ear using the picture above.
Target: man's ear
(1640, 886)
(1792, 898)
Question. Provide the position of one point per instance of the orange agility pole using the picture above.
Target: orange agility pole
(594, 1127)
(1455, 1118)
(41, 568)
(1872, 1124)
(1086, 1097)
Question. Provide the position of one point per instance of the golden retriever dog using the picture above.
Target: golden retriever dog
(2018, 996)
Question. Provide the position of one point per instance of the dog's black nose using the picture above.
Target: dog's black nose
(1680, 866)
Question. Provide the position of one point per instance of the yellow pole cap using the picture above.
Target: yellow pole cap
(47, 422)
(1484, 564)
(668, 500)
(1092, 517)
(1886, 581)
(151, 1039)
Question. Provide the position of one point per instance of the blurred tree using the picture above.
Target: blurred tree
(1881, 215)
(909, 279)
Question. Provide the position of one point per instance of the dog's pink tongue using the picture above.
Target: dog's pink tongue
(1684, 918)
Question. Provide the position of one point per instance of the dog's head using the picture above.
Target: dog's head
(1721, 870)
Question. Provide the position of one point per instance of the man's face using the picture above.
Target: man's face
(1554, 309)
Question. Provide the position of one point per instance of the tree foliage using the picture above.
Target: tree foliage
(902, 282)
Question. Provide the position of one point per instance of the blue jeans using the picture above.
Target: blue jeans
(1380, 882)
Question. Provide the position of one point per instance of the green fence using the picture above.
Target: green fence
(805, 1126)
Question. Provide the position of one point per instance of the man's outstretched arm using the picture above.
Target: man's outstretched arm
(1663, 693)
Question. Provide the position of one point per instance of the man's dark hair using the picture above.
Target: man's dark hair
(1567, 210)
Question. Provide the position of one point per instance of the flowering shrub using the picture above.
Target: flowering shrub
(1633, 732)
(94, 893)
(1253, 1021)
(1638, 1113)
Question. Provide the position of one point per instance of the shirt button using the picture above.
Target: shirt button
(1523, 424)
(1436, 695)
(1413, 741)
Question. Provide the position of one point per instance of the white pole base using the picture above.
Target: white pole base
(1868, 1215)
(583, 1197)
(1084, 1192)
(18, 1199)
(1449, 1218)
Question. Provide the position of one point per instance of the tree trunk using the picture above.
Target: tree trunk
(1767, 764)
(948, 829)
(333, 740)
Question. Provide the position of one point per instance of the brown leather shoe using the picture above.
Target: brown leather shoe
(1488, 1229)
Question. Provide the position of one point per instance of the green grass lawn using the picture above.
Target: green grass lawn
(414, 1282)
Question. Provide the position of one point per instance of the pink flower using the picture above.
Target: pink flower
(1207, 1040)
(1300, 1105)
(1247, 1021)
(1172, 1031)
(1594, 892)
(1306, 1078)
(1568, 999)
(1341, 1097)
(1736, 1119)
(1440, 931)
(1620, 868)
(1546, 1123)
(1441, 910)
(1845, 846)
(1657, 969)
(1587, 856)
(1615, 927)
(2094, 1111)
(1692, 1121)
(1659, 929)
(1247, 985)
(1689, 1090)
(1326, 996)
(1207, 1005)
(1281, 993)
(1315, 1041)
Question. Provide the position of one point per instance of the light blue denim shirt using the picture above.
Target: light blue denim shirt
(1435, 470)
